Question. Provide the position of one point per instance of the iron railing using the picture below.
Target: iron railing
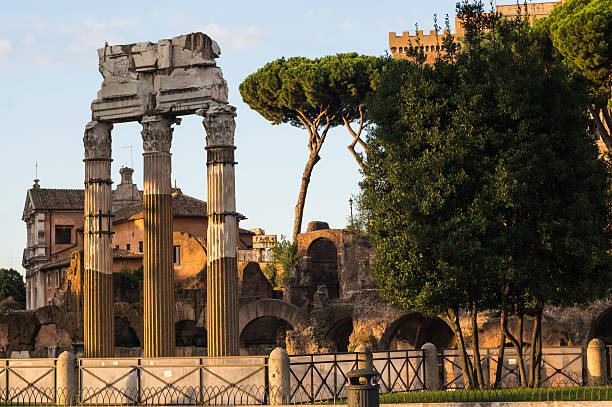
(402, 370)
(565, 363)
(321, 377)
(185, 381)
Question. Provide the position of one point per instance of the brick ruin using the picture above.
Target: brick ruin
(330, 303)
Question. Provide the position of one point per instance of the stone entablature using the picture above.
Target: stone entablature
(173, 77)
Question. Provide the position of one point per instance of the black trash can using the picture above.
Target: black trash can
(363, 388)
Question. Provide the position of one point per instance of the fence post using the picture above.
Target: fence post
(279, 371)
(66, 379)
(432, 375)
(596, 363)
(365, 359)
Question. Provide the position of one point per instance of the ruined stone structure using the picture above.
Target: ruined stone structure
(329, 303)
(154, 84)
(431, 44)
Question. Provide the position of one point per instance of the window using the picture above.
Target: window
(57, 279)
(140, 247)
(48, 281)
(128, 247)
(63, 234)
(177, 255)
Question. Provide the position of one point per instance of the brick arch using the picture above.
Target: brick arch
(274, 308)
(429, 329)
(601, 327)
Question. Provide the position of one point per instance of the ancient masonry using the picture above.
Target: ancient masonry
(154, 84)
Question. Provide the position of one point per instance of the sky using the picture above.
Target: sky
(49, 76)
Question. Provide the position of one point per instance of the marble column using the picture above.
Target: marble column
(98, 308)
(158, 263)
(221, 265)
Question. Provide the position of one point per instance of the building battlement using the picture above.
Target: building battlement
(431, 43)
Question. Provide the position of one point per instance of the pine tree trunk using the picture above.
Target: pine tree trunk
(299, 208)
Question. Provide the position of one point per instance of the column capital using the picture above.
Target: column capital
(98, 140)
(219, 124)
(157, 133)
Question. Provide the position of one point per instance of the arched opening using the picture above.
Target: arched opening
(340, 333)
(414, 330)
(125, 335)
(323, 266)
(602, 327)
(188, 334)
(264, 334)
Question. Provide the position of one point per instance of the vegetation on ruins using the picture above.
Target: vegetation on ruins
(11, 285)
(483, 189)
(131, 278)
(284, 258)
(579, 33)
(314, 94)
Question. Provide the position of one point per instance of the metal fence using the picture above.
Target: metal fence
(185, 381)
(32, 377)
(316, 378)
(400, 370)
(560, 365)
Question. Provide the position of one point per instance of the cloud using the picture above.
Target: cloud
(5, 47)
(87, 35)
(122, 22)
(41, 59)
(28, 39)
(319, 13)
(234, 38)
(347, 25)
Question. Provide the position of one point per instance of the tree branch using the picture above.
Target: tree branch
(605, 134)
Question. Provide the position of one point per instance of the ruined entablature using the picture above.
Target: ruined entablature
(174, 77)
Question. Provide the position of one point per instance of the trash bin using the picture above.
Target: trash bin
(363, 388)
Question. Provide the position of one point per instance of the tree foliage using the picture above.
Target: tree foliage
(316, 95)
(11, 285)
(579, 33)
(484, 189)
(284, 258)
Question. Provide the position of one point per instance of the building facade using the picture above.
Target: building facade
(431, 44)
(54, 223)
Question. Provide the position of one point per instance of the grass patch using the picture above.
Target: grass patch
(582, 393)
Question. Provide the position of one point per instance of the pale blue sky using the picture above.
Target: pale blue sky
(49, 76)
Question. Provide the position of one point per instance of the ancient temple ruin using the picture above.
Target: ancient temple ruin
(154, 84)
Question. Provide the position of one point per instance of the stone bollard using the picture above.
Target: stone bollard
(278, 377)
(66, 379)
(432, 374)
(364, 357)
(596, 363)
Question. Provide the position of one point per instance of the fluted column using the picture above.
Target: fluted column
(98, 284)
(158, 267)
(221, 270)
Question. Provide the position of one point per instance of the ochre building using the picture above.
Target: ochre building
(431, 44)
(54, 219)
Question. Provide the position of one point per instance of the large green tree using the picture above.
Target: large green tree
(316, 95)
(580, 32)
(483, 189)
(11, 285)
